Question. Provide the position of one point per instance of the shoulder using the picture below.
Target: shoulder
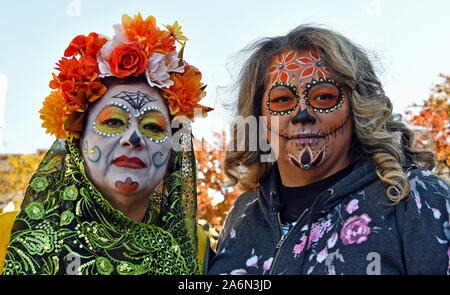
(424, 220)
(242, 202)
(428, 191)
(240, 205)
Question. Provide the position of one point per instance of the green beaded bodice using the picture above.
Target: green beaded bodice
(67, 227)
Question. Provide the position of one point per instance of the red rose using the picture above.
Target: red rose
(127, 60)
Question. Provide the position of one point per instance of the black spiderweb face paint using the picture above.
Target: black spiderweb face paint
(137, 100)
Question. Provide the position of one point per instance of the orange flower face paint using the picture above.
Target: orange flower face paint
(311, 109)
(128, 186)
(153, 125)
(112, 120)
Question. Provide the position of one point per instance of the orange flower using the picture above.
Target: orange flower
(74, 74)
(147, 34)
(54, 114)
(185, 93)
(86, 68)
(127, 60)
(85, 45)
(95, 90)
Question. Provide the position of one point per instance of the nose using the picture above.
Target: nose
(303, 117)
(133, 141)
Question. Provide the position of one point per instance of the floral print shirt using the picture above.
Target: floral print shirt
(354, 229)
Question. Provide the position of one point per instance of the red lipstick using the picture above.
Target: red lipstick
(133, 163)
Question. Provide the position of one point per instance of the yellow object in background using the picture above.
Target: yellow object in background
(6, 223)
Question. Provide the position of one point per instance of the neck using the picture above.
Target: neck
(292, 176)
(133, 207)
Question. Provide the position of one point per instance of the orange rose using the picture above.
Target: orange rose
(127, 60)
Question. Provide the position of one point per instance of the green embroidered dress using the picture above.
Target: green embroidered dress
(65, 226)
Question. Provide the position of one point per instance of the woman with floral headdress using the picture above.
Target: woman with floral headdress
(339, 188)
(116, 193)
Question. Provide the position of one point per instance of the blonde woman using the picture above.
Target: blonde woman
(346, 192)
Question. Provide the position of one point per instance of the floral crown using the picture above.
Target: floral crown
(139, 47)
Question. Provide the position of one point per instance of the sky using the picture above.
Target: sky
(407, 40)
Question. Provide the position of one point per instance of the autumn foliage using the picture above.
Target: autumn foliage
(15, 173)
(214, 196)
(432, 127)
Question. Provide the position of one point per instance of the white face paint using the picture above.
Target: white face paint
(126, 141)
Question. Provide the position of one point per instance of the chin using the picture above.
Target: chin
(306, 157)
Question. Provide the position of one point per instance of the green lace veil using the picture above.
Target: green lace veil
(65, 226)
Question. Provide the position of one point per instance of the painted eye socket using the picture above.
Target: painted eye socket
(111, 120)
(153, 124)
(282, 99)
(323, 95)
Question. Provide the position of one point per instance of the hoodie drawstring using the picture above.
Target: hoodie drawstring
(310, 220)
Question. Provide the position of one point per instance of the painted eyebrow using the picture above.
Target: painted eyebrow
(282, 85)
(136, 99)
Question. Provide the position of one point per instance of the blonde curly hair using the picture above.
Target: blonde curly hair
(378, 133)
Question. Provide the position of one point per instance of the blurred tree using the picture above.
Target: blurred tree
(432, 127)
(214, 196)
(15, 173)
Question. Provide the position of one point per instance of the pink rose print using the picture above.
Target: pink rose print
(252, 261)
(332, 240)
(282, 66)
(318, 230)
(314, 65)
(352, 206)
(436, 213)
(267, 264)
(233, 234)
(322, 255)
(418, 203)
(448, 254)
(298, 248)
(355, 229)
(240, 271)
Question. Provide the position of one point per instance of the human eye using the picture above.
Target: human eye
(282, 99)
(111, 120)
(324, 96)
(153, 125)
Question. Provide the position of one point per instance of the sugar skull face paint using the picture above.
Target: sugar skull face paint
(124, 129)
(153, 124)
(112, 120)
(312, 110)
